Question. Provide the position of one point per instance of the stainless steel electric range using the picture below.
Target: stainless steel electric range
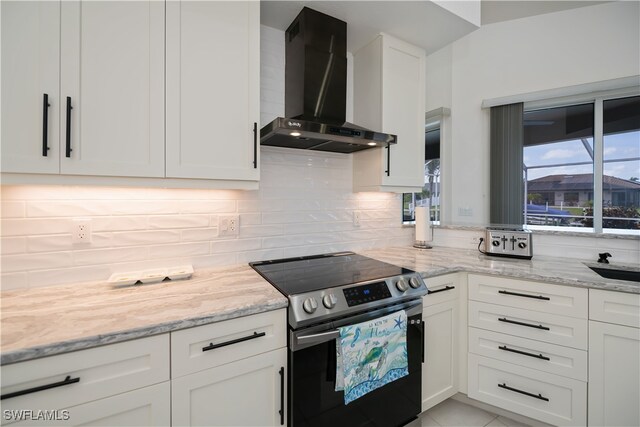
(329, 291)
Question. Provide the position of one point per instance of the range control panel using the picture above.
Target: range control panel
(331, 303)
(507, 242)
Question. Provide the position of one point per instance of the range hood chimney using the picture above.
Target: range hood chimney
(316, 91)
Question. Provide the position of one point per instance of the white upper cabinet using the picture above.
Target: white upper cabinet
(213, 87)
(389, 80)
(112, 75)
(30, 72)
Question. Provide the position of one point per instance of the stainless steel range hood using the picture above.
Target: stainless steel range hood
(316, 91)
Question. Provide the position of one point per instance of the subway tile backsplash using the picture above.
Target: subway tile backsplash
(304, 206)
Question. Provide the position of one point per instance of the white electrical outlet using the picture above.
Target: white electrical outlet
(81, 231)
(228, 225)
(356, 218)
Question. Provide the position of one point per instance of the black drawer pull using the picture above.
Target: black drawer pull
(281, 411)
(502, 319)
(446, 288)
(537, 356)
(226, 343)
(68, 148)
(525, 295)
(526, 393)
(66, 381)
(255, 145)
(45, 124)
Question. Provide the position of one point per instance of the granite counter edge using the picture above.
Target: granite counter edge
(37, 352)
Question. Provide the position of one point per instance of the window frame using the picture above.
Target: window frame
(597, 98)
(434, 119)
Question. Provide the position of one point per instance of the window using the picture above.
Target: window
(558, 164)
(430, 195)
(571, 178)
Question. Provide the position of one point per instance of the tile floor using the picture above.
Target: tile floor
(452, 413)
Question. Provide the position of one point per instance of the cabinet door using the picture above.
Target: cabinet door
(614, 375)
(440, 368)
(243, 393)
(389, 97)
(112, 70)
(213, 86)
(30, 70)
(403, 104)
(148, 406)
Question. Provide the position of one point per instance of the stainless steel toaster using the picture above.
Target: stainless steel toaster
(509, 242)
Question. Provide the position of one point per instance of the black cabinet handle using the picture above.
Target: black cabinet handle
(388, 171)
(526, 393)
(423, 340)
(255, 145)
(226, 343)
(281, 411)
(68, 149)
(45, 124)
(512, 350)
(525, 295)
(66, 381)
(446, 288)
(502, 319)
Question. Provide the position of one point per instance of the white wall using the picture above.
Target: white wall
(549, 51)
(304, 206)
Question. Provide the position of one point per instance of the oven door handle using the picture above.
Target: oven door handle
(318, 338)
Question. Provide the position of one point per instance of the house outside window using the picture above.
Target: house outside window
(564, 166)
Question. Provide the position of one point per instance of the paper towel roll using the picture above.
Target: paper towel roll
(423, 227)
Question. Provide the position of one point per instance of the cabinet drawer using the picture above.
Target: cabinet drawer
(148, 406)
(101, 372)
(441, 289)
(551, 358)
(561, 330)
(614, 307)
(536, 296)
(203, 347)
(539, 395)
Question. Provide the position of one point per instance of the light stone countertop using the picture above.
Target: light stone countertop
(562, 271)
(46, 321)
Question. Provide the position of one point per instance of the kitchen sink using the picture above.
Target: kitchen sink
(611, 273)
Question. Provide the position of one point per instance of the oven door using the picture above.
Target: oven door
(313, 401)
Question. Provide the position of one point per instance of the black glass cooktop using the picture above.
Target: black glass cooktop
(305, 274)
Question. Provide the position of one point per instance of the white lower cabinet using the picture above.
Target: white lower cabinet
(441, 322)
(614, 359)
(249, 392)
(546, 397)
(148, 406)
(230, 373)
(525, 354)
(97, 385)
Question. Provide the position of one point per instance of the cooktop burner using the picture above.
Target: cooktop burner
(323, 287)
(293, 276)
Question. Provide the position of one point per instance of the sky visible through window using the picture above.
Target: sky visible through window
(619, 146)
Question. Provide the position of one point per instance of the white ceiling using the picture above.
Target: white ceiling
(504, 10)
(421, 23)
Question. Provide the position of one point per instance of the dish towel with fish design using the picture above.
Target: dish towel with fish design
(371, 354)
